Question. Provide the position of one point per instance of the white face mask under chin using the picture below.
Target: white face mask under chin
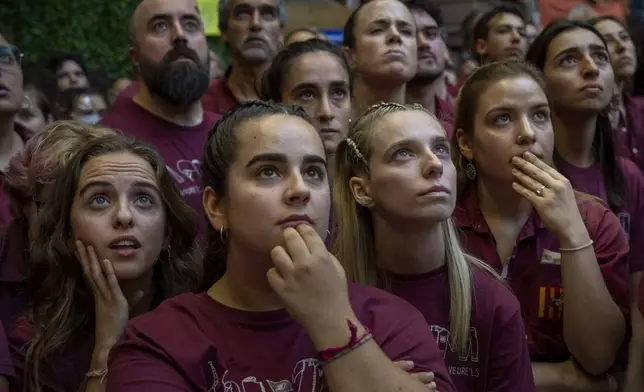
(90, 119)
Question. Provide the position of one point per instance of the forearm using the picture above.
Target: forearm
(589, 310)
(366, 368)
(563, 377)
(634, 380)
(548, 377)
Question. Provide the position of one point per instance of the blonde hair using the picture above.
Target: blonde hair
(355, 244)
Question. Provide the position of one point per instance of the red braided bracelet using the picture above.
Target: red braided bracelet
(354, 341)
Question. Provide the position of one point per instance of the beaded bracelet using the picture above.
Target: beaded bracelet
(97, 373)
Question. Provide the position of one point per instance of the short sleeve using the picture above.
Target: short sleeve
(136, 364)
(611, 249)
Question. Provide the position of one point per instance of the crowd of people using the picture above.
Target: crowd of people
(355, 217)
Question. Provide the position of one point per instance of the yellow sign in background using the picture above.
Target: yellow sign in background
(210, 15)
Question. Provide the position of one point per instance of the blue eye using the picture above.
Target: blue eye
(502, 119)
(402, 153)
(144, 199)
(98, 200)
(267, 172)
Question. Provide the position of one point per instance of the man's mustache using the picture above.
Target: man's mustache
(181, 51)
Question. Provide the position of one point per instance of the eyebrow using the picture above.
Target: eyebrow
(507, 107)
(99, 183)
(281, 158)
(165, 16)
(578, 49)
(434, 140)
(389, 21)
(307, 85)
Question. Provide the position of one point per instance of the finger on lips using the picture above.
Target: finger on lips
(295, 245)
(311, 238)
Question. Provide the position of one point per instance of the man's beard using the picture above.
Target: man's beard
(426, 77)
(178, 83)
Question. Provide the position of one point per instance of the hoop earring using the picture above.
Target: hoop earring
(470, 171)
(223, 237)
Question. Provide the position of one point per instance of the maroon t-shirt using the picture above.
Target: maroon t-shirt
(180, 147)
(534, 271)
(497, 358)
(445, 113)
(129, 92)
(193, 343)
(629, 134)
(219, 99)
(591, 181)
(14, 255)
(6, 368)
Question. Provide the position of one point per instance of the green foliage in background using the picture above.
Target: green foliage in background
(97, 29)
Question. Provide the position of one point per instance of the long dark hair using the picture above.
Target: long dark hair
(603, 144)
(218, 156)
(62, 309)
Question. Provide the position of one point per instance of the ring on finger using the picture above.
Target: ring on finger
(539, 191)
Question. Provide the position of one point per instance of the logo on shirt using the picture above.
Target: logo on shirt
(187, 174)
(625, 220)
(307, 377)
(550, 257)
(550, 302)
(454, 357)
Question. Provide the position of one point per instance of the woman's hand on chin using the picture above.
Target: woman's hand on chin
(313, 286)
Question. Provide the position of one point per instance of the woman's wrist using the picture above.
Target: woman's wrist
(333, 332)
(100, 357)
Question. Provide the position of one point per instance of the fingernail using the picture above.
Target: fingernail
(528, 154)
(409, 364)
(432, 384)
(515, 171)
(515, 159)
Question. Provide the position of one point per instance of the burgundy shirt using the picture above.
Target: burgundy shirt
(534, 272)
(497, 358)
(445, 113)
(14, 255)
(180, 147)
(129, 92)
(6, 368)
(219, 99)
(591, 181)
(206, 346)
(629, 134)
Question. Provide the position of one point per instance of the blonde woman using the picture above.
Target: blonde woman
(395, 194)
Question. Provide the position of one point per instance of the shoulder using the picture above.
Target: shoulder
(177, 314)
(367, 300)
(492, 296)
(596, 215)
